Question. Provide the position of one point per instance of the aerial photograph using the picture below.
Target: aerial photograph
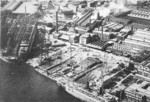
(75, 51)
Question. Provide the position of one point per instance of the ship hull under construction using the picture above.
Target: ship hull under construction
(80, 95)
(72, 89)
(79, 92)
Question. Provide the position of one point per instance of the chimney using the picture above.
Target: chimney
(56, 21)
(138, 5)
(77, 8)
(98, 16)
(102, 31)
(90, 24)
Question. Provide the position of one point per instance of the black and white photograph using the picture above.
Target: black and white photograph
(75, 51)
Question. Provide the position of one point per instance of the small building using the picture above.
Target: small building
(56, 35)
(92, 4)
(80, 30)
(64, 37)
(85, 38)
(105, 36)
(74, 38)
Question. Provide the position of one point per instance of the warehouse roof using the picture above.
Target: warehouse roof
(138, 38)
(64, 37)
(7, 5)
(29, 6)
(144, 44)
(12, 5)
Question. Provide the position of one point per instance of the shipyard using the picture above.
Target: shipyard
(95, 50)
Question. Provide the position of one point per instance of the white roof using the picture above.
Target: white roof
(125, 30)
(138, 39)
(66, 37)
(30, 8)
(144, 44)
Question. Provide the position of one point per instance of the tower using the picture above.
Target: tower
(98, 16)
(56, 21)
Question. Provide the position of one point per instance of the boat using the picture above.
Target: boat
(75, 89)
(79, 92)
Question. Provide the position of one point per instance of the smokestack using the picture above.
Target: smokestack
(77, 8)
(98, 16)
(102, 31)
(138, 5)
(25, 11)
(108, 18)
(56, 21)
(90, 24)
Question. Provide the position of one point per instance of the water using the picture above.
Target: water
(20, 83)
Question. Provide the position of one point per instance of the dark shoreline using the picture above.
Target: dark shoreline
(21, 83)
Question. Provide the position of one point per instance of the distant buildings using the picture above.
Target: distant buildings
(138, 92)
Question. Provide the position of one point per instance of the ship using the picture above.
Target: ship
(72, 88)
(76, 89)
(79, 92)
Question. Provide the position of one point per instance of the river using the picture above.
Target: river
(21, 83)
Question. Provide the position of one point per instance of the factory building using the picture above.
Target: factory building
(144, 71)
(12, 5)
(144, 67)
(123, 33)
(138, 92)
(138, 26)
(140, 39)
(84, 18)
(68, 36)
(19, 7)
(136, 44)
(74, 38)
(118, 20)
(105, 36)
(80, 30)
(85, 39)
(120, 49)
(92, 4)
(97, 44)
(137, 19)
(140, 14)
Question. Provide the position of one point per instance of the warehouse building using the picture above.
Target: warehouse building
(138, 92)
(12, 5)
(136, 44)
